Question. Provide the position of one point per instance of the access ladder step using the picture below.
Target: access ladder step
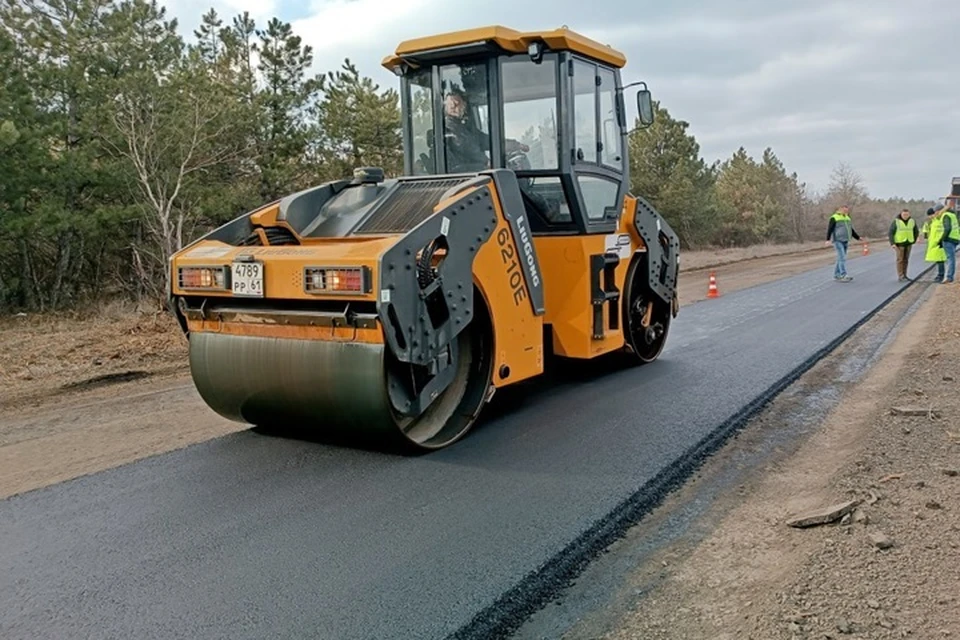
(604, 291)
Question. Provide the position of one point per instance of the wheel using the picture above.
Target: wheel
(451, 415)
(646, 341)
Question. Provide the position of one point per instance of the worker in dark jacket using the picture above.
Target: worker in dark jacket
(903, 234)
(839, 231)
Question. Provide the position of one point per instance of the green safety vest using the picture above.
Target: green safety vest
(844, 219)
(935, 253)
(954, 227)
(904, 232)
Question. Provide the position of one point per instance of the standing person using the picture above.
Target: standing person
(839, 231)
(935, 252)
(903, 235)
(951, 236)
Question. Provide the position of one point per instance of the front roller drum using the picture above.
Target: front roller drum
(646, 316)
(333, 389)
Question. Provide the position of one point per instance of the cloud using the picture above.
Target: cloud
(189, 13)
(336, 27)
(820, 81)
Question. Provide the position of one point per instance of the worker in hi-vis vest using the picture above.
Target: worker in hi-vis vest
(839, 231)
(903, 235)
(951, 237)
(935, 251)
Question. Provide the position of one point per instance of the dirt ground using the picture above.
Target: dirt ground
(84, 392)
(750, 272)
(692, 260)
(891, 569)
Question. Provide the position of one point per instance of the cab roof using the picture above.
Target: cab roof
(419, 51)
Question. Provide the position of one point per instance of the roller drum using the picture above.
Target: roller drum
(334, 389)
(337, 388)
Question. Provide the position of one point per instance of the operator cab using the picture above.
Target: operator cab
(548, 106)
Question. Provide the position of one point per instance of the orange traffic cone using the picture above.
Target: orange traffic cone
(866, 249)
(712, 289)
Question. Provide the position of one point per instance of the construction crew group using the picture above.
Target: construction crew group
(941, 230)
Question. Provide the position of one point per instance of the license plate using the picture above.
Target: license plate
(247, 279)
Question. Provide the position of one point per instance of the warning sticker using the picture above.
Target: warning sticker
(207, 252)
(618, 243)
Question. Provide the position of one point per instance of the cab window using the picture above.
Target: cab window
(466, 125)
(530, 113)
(585, 111)
(420, 121)
(595, 87)
(610, 152)
(599, 196)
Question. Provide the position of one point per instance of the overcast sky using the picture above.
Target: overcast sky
(874, 84)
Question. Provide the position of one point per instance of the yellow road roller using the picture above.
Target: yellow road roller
(392, 308)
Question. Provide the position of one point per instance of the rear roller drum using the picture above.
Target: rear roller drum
(646, 317)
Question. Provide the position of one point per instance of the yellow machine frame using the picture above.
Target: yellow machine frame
(405, 265)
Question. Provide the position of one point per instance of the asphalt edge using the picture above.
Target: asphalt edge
(508, 612)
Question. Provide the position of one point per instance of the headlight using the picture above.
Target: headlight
(336, 280)
(202, 278)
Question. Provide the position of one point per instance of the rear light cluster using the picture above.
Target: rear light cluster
(336, 280)
(203, 278)
(320, 280)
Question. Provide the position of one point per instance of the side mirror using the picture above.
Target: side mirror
(645, 107)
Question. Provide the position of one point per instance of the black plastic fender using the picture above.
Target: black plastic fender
(420, 318)
(663, 250)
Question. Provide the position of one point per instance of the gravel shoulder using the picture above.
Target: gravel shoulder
(891, 569)
(80, 393)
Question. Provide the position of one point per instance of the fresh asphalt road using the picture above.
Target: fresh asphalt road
(248, 536)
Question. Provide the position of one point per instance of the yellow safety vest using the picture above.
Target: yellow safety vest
(935, 253)
(954, 227)
(904, 231)
(842, 219)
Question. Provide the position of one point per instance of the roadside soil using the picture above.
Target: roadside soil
(84, 392)
(705, 259)
(753, 576)
(750, 272)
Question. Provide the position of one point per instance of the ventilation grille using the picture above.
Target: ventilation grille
(409, 205)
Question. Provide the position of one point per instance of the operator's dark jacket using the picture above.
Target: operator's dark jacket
(465, 146)
(892, 231)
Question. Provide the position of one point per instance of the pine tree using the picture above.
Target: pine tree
(59, 52)
(360, 126)
(666, 169)
(285, 103)
(174, 124)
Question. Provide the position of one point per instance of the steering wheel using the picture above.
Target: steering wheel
(517, 160)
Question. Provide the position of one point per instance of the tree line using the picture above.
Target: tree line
(121, 141)
(742, 200)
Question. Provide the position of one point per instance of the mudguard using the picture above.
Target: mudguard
(423, 312)
(663, 250)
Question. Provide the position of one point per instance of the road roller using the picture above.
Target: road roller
(391, 308)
